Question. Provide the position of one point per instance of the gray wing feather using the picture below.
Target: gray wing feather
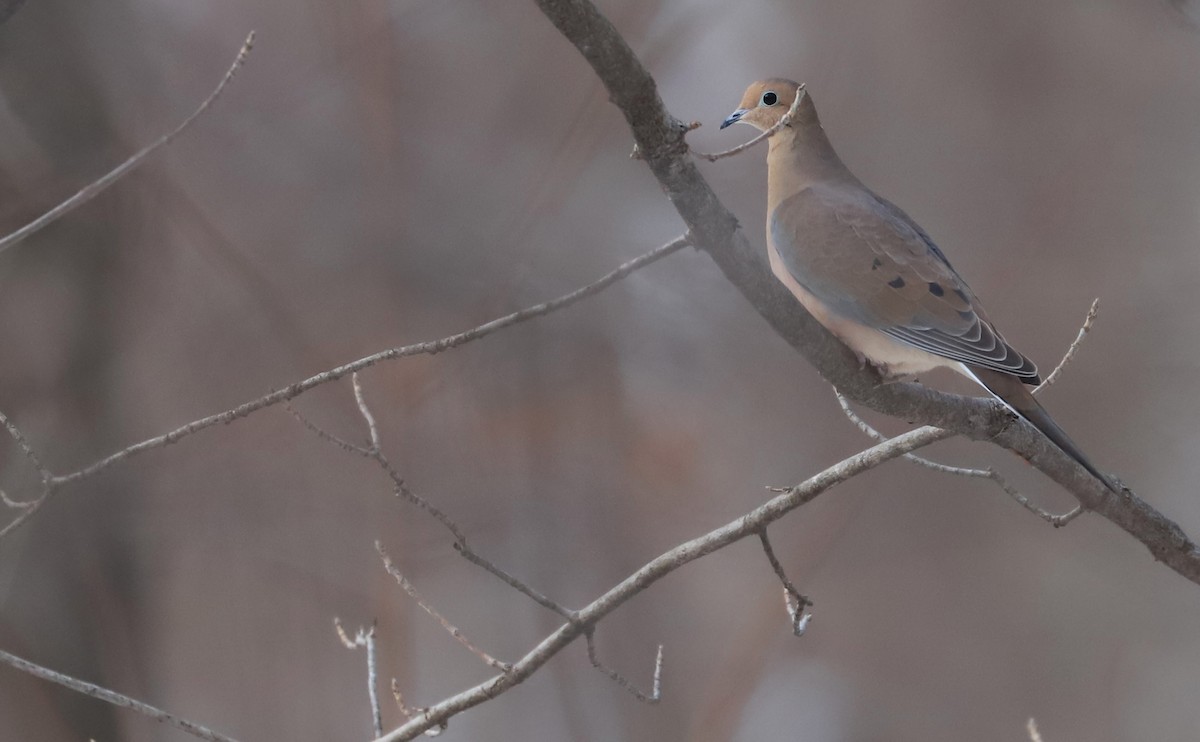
(829, 237)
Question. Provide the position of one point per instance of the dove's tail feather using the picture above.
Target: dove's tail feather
(1017, 397)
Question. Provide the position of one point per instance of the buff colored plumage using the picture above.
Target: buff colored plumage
(869, 273)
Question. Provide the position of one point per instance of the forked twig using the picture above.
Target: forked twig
(744, 526)
(1056, 520)
(54, 483)
(403, 491)
(98, 186)
(366, 638)
(655, 694)
(782, 122)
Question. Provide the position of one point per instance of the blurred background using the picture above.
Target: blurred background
(390, 171)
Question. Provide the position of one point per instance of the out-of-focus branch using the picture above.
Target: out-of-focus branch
(583, 621)
(661, 142)
(98, 186)
(116, 699)
(53, 483)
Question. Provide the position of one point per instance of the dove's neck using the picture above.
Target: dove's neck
(799, 156)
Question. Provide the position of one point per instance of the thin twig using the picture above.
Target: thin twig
(365, 638)
(876, 435)
(685, 553)
(655, 694)
(96, 187)
(294, 390)
(409, 711)
(15, 504)
(116, 699)
(1032, 727)
(1056, 520)
(372, 430)
(1073, 348)
(782, 122)
(512, 581)
(430, 347)
(449, 627)
(23, 444)
(402, 490)
(325, 435)
(793, 600)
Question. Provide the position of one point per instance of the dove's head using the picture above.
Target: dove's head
(764, 103)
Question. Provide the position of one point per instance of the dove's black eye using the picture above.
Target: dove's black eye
(769, 98)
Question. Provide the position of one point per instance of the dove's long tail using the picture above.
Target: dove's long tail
(1016, 395)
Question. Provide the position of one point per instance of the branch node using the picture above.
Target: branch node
(408, 712)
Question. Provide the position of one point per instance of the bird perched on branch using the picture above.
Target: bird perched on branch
(867, 272)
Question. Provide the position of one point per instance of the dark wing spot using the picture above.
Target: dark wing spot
(876, 263)
(896, 283)
(936, 289)
(967, 315)
(962, 295)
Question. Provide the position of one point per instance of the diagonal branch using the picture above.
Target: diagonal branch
(55, 482)
(96, 187)
(585, 619)
(116, 699)
(660, 140)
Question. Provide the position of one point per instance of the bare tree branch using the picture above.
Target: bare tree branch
(750, 524)
(99, 185)
(53, 483)
(661, 142)
(116, 699)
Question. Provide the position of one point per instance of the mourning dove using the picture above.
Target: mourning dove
(867, 272)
